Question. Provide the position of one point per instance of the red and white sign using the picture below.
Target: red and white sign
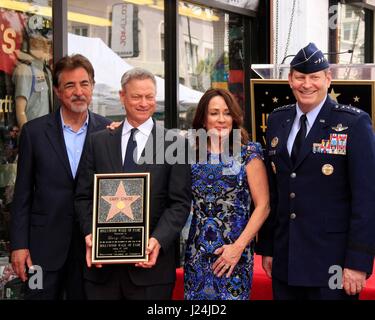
(12, 26)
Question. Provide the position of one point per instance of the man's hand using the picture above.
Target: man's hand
(88, 240)
(267, 265)
(20, 258)
(353, 281)
(152, 250)
(114, 125)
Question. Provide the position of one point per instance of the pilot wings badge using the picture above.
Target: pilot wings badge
(339, 128)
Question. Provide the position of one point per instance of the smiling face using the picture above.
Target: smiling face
(219, 121)
(138, 98)
(310, 89)
(75, 90)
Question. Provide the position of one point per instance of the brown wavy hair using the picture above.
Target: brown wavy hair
(234, 110)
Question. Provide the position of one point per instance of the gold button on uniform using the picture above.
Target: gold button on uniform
(327, 169)
(293, 216)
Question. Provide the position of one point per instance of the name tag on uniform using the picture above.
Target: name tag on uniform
(335, 145)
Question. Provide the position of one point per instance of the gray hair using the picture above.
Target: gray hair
(137, 74)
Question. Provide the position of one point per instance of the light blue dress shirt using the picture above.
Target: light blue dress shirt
(74, 142)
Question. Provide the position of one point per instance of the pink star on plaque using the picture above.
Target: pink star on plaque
(120, 203)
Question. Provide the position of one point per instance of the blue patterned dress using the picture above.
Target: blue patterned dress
(221, 211)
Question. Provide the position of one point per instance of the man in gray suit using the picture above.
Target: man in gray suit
(170, 198)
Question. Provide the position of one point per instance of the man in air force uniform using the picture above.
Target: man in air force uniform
(321, 163)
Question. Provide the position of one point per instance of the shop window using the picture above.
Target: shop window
(351, 33)
(80, 31)
(347, 31)
(162, 47)
(348, 12)
(25, 94)
(210, 54)
(121, 35)
(191, 56)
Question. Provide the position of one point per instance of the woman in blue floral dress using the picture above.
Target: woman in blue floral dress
(219, 248)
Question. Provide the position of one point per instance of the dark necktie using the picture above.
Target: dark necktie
(300, 138)
(130, 161)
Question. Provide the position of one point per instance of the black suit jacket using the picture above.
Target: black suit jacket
(43, 206)
(170, 200)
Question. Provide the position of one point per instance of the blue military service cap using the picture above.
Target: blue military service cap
(309, 59)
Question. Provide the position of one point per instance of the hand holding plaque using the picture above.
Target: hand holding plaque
(120, 218)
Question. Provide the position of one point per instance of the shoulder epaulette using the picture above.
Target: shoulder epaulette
(346, 108)
(283, 108)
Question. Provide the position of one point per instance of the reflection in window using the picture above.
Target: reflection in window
(210, 55)
(191, 57)
(347, 28)
(348, 12)
(351, 33)
(162, 47)
(128, 34)
(25, 94)
(80, 31)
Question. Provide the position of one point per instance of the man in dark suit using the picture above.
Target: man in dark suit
(44, 230)
(321, 163)
(170, 196)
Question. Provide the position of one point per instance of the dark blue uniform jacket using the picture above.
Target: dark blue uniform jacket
(323, 207)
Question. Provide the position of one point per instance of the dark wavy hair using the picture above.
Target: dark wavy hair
(234, 110)
(70, 63)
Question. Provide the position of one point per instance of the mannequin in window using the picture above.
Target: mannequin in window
(32, 80)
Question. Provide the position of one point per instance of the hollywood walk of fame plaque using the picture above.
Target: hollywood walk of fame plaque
(120, 218)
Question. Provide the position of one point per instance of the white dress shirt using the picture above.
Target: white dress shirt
(311, 116)
(141, 136)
